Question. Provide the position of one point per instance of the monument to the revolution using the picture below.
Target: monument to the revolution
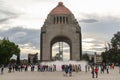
(60, 25)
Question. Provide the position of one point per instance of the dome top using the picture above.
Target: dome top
(60, 9)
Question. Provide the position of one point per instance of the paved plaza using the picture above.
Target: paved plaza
(58, 75)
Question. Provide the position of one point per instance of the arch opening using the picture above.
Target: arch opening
(60, 49)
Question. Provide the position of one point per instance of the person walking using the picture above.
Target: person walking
(102, 69)
(92, 72)
(96, 71)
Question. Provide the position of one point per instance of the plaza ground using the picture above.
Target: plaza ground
(58, 75)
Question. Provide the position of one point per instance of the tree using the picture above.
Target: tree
(85, 57)
(113, 54)
(7, 49)
(116, 40)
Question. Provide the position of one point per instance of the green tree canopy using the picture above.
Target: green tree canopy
(85, 57)
(115, 41)
(113, 54)
(7, 49)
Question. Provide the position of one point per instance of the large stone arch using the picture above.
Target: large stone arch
(60, 25)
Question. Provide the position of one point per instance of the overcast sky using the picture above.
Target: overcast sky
(21, 21)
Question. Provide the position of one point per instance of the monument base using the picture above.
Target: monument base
(60, 63)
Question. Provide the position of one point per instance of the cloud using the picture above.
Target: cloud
(98, 24)
(6, 12)
(92, 40)
(3, 20)
(6, 15)
(98, 49)
(6, 19)
(27, 39)
(22, 36)
(102, 30)
(92, 45)
(88, 20)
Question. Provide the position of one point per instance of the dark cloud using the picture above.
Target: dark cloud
(6, 15)
(6, 19)
(88, 20)
(22, 36)
(105, 28)
(100, 31)
(3, 20)
(7, 12)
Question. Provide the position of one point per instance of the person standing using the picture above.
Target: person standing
(66, 70)
(92, 72)
(70, 70)
(119, 68)
(26, 67)
(107, 69)
(96, 71)
(13, 67)
(2, 69)
(86, 68)
(10, 68)
(79, 67)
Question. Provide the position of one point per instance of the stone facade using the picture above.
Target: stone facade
(60, 25)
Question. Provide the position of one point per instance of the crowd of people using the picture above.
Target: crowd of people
(101, 68)
(67, 69)
(16, 67)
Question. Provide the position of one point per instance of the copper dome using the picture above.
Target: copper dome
(60, 9)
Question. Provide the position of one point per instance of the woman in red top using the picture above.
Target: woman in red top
(96, 71)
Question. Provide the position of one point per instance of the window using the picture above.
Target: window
(60, 19)
(63, 20)
(66, 20)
